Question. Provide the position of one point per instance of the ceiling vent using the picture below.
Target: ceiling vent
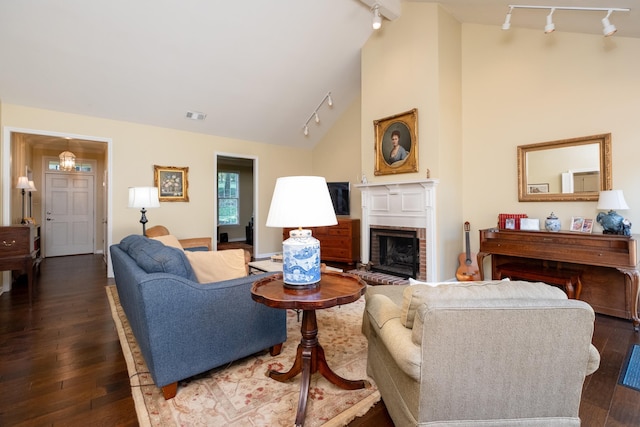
(195, 115)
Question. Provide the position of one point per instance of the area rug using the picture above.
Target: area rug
(240, 394)
(630, 375)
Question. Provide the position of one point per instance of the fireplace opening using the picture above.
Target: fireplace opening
(394, 252)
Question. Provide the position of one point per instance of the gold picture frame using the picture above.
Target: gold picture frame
(401, 131)
(172, 183)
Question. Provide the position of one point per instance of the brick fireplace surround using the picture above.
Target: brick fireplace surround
(403, 205)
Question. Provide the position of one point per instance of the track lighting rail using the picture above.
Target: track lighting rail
(314, 115)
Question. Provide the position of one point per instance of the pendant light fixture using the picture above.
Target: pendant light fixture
(67, 160)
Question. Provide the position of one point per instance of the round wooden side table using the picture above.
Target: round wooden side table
(333, 289)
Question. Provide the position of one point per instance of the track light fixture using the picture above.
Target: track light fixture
(314, 116)
(376, 23)
(608, 28)
(507, 20)
(550, 27)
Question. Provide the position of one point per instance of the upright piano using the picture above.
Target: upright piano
(608, 264)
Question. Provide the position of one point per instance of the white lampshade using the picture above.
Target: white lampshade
(23, 182)
(143, 197)
(301, 201)
(612, 200)
(32, 187)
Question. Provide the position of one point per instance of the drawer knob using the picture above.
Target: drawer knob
(4, 242)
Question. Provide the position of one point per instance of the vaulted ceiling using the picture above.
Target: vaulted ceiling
(258, 69)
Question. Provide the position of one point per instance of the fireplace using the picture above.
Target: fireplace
(395, 252)
(403, 209)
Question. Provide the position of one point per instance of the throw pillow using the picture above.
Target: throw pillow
(155, 257)
(169, 240)
(215, 266)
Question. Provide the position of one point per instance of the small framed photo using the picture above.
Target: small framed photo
(510, 223)
(577, 223)
(529, 224)
(537, 188)
(587, 225)
(172, 183)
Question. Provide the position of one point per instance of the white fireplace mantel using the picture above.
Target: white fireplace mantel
(401, 204)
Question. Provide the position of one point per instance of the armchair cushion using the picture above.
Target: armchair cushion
(416, 295)
(217, 266)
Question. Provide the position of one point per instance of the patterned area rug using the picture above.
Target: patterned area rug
(240, 394)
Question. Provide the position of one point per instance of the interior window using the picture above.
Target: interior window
(228, 194)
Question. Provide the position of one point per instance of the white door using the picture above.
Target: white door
(69, 222)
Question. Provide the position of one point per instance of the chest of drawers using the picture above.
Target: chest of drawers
(20, 250)
(340, 243)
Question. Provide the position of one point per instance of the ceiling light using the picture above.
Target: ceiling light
(314, 115)
(608, 29)
(550, 27)
(507, 20)
(67, 161)
(377, 19)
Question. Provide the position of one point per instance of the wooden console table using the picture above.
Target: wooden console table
(608, 263)
(20, 250)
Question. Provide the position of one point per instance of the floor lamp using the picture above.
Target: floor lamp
(31, 189)
(143, 198)
(23, 184)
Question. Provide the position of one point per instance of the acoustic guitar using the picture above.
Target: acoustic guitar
(468, 269)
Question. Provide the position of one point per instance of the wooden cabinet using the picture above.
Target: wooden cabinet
(607, 264)
(340, 243)
(20, 250)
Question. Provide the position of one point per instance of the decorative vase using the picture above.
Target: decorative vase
(552, 223)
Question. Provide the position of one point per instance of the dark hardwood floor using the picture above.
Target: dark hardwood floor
(61, 362)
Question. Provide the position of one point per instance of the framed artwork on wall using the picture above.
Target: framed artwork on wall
(172, 183)
(396, 143)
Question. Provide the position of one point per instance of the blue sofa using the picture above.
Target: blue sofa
(184, 327)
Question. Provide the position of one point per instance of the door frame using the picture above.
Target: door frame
(256, 207)
(7, 167)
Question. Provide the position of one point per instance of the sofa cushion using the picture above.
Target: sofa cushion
(169, 240)
(416, 295)
(215, 266)
(155, 257)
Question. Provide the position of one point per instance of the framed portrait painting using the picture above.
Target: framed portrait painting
(172, 183)
(396, 143)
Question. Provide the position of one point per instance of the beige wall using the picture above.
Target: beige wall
(480, 92)
(524, 87)
(414, 62)
(337, 156)
(136, 148)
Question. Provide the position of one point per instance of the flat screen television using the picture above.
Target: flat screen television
(341, 197)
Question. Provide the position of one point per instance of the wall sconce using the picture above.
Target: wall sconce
(608, 28)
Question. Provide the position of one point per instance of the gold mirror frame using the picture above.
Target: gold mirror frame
(604, 141)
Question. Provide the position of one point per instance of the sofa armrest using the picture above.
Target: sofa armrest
(196, 242)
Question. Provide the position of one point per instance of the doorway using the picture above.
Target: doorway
(247, 169)
(31, 148)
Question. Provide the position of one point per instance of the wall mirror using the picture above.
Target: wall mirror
(565, 170)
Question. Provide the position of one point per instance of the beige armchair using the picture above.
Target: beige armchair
(194, 242)
(479, 353)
